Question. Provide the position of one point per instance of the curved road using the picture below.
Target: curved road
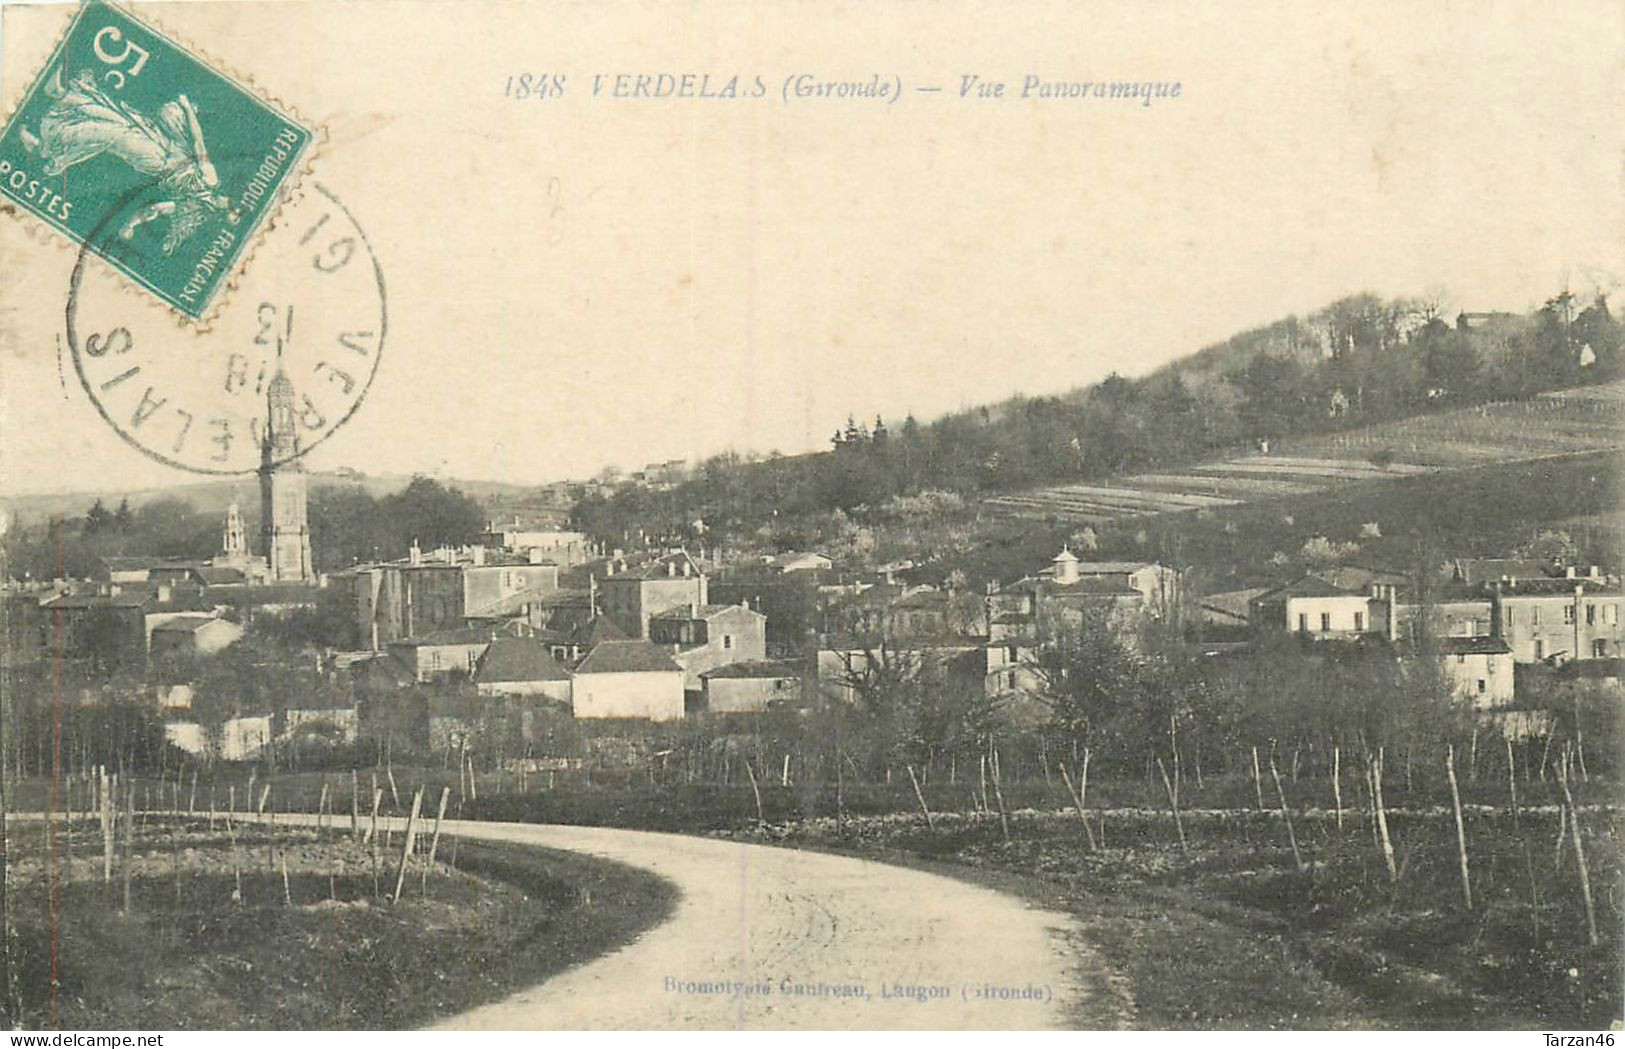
(766, 937)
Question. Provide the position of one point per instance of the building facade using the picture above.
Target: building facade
(1559, 619)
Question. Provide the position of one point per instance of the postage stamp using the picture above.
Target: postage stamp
(144, 155)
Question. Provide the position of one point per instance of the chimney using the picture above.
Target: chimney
(671, 568)
(415, 555)
(164, 593)
(479, 554)
(1593, 572)
(1568, 573)
(534, 555)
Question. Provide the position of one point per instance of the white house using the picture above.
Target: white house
(194, 634)
(1314, 607)
(628, 679)
(1478, 668)
(795, 561)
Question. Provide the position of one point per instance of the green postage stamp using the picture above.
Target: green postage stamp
(141, 153)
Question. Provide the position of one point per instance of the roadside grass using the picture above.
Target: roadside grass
(191, 953)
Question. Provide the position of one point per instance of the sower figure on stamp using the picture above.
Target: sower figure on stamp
(85, 122)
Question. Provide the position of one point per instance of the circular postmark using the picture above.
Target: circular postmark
(309, 305)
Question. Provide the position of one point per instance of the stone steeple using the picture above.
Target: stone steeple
(283, 489)
(234, 545)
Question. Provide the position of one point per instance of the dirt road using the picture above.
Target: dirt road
(776, 938)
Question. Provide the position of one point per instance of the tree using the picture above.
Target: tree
(97, 519)
(431, 514)
(122, 517)
(109, 639)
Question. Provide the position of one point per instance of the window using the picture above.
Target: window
(1510, 617)
(1325, 621)
(1359, 621)
(1482, 688)
(1460, 659)
(1568, 615)
(1010, 680)
(1303, 622)
(727, 641)
(1489, 664)
(1534, 616)
(1610, 614)
(1599, 648)
(434, 659)
(1540, 649)
(1591, 613)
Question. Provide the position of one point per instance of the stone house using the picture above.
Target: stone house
(628, 679)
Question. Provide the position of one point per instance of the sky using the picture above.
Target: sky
(582, 281)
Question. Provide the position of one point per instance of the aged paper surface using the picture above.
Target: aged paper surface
(260, 258)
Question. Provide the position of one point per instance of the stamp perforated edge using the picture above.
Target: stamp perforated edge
(291, 188)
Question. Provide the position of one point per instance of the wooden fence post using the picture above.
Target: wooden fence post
(434, 842)
(1579, 851)
(1461, 828)
(107, 828)
(1512, 782)
(761, 816)
(1286, 814)
(129, 835)
(406, 850)
(998, 794)
(1077, 798)
(372, 835)
(1173, 805)
(930, 823)
(1337, 783)
(1382, 816)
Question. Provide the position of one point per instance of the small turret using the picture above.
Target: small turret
(1066, 567)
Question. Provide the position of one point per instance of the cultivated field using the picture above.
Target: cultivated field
(1570, 422)
(197, 923)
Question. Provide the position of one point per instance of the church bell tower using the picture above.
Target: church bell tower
(283, 485)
